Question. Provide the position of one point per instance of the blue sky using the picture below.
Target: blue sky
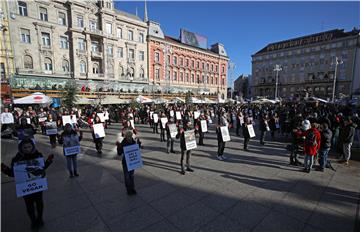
(246, 27)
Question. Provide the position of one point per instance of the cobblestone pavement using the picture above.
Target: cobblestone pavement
(250, 191)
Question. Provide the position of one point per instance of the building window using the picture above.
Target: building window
(65, 66)
(187, 77)
(28, 62)
(81, 44)
(130, 35)
(175, 76)
(175, 60)
(181, 77)
(119, 32)
(48, 64)
(2, 70)
(80, 21)
(203, 65)
(223, 69)
(131, 72)
(141, 37)
(197, 64)
(120, 52)
(198, 79)
(157, 57)
(62, 19)
(187, 63)
(131, 54)
(45, 37)
(157, 74)
(110, 70)
(181, 61)
(64, 43)
(82, 67)
(192, 64)
(110, 50)
(22, 8)
(121, 71)
(43, 14)
(168, 60)
(95, 68)
(142, 73)
(93, 25)
(95, 46)
(25, 35)
(141, 56)
(192, 78)
(108, 27)
(108, 5)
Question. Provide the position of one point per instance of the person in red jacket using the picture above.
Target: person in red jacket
(311, 145)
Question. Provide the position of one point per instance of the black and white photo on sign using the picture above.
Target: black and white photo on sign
(30, 177)
(7, 118)
(99, 130)
(203, 126)
(178, 115)
(42, 119)
(133, 157)
(241, 120)
(225, 133)
(71, 144)
(163, 122)
(66, 119)
(251, 130)
(51, 128)
(156, 118)
(28, 121)
(190, 140)
(173, 130)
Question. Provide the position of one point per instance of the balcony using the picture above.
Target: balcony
(96, 55)
(80, 52)
(94, 32)
(131, 60)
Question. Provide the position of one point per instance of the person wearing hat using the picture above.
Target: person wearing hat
(348, 139)
(188, 126)
(34, 202)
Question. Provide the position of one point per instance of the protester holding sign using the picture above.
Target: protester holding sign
(128, 175)
(42, 116)
(246, 134)
(97, 140)
(201, 123)
(128, 126)
(163, 121)
(71, 147)
(221, 143)
(155, 123)
(28, 152)
(25, 130)
(184, 148)
(7, 122)
(171, 132)
(51, 130)
(263, 127)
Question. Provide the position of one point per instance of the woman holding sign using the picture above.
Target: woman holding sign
(171, 132)
(33, 197)
(246, 133)
(71, 143)
(51, 130)
(223, 122)
(187, 143)
(98, 140)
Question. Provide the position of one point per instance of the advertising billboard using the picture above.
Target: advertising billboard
(193, 39)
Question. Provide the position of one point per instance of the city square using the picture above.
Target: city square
(180, 116)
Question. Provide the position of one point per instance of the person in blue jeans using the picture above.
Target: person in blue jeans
(326, 136)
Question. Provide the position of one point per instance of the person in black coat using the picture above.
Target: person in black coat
(263, 127)
(170, 141)
(325, 145)
(128, 175)
(25, 130)
(245, 132)
(348, 139)
(28, 151)
(181, 135)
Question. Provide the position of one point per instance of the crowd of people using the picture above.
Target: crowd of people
(312, 130)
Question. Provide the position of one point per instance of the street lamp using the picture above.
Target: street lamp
(231, 71)
(337, 62)
(277, 69)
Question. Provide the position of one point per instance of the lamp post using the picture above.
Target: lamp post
(167, 62)
(231, 71)
(277, 69)
(337, 62)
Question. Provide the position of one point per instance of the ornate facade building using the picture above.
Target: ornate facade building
(89, 41)
(307, 65)
(175, 66)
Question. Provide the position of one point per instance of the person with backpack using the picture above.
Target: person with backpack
(311, 145)
(27, 152)
(326, 135)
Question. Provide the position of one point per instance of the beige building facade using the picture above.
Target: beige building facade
(307, 66)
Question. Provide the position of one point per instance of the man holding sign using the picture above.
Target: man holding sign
(131, 159)
(222, 135)
(31, 182)
(171, 132)
(187, 143)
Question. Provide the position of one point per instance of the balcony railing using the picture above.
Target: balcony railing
(96, 54)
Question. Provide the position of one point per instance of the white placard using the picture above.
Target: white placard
(267, 126)
(173, 130)
(28, 120)
(30, 177)
(106, 115)
(131, 115)
(51, 128)
(225, 133)
(133, 157)
(203, 126)
(171, 113)
(151, 114)
(132, 123)
(101, 116)
(178, 115)
(210, 121)
(190, 140)
(163, 122)
(66, 119)
(196, 114)
(99, 131)
(7, 118)
(42, 119)
(73, 119)
(71, 144)
(241, 120)
(251, 130)
(71, 150)
(156, 118)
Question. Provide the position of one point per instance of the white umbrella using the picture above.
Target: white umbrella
(142, 99)
(35, 98)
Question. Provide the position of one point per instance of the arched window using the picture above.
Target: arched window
(142, 73)
(28, 62)
(131, 72)
(95, 68)
(65, 66)
(121, 71)
(110, 69)
(48, 64)
(82, 67)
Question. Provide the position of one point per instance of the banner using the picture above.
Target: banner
(133, 157)
(173, 130)
(163, 122)
(30, 177)
(203, 126)
(71, 145)
(99, 130)
(51, 128)
(178, 115)
(156, 118)
(196, 114)
(190, 140)
(101, 116)
(225, 133)
(251, 130)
